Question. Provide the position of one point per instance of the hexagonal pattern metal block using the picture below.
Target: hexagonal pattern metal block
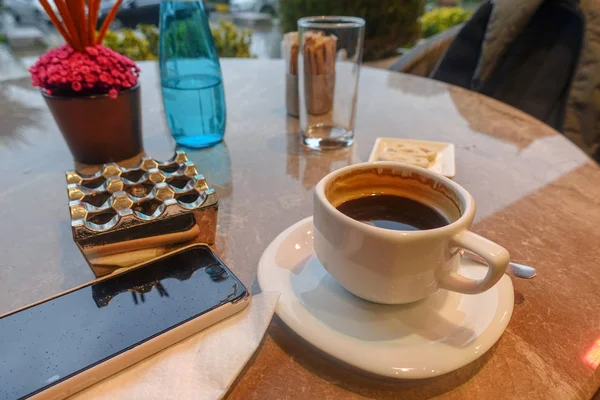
(145, 207)
(78, 211)
(148, 164)
(121, 201)
(75, 192)
(163, 192)
(114, 184)
(156, 176)
(111, 170)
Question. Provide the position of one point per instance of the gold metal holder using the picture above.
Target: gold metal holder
(291, 95)
(125, 216)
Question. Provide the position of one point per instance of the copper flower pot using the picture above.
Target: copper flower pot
(99, 129)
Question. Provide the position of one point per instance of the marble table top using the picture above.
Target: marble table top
(537, 194)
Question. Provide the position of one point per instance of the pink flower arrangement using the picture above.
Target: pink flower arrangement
(82, 67)
(95, 70)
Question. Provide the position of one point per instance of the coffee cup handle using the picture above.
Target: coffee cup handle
(496, 257)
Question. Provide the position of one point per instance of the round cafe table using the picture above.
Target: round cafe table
(537, 195)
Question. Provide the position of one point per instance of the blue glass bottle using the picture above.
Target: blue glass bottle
(190, 75)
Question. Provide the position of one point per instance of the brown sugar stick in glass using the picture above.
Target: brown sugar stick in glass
(318, 59)
(309, 65)
(332, 55)
(294, 59)
(320, 55)
(311, 55)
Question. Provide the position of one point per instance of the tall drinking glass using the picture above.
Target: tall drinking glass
(329, 61)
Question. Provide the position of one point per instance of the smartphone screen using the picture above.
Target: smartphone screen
(47, 343)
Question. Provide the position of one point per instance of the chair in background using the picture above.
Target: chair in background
(422, 59)
(540, 66)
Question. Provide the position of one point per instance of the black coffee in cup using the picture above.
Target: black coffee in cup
(420, 218)
(393, 212)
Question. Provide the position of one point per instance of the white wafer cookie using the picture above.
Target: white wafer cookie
(417, 150)
(406, 158)
(415, 154)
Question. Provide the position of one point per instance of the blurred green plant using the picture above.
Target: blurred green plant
(390, 24)
(440, 19)
(230, 42)
(129, 43)
(151, 33)
(2, 38)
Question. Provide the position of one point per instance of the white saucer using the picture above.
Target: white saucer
(424, 339)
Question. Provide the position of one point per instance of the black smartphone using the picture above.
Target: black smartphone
(58, 346)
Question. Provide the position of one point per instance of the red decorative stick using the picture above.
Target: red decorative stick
(66, 17)
(107, 21)
(56, 22)
(79, 29)
(93, 7)
(82, 23)
(73, 12)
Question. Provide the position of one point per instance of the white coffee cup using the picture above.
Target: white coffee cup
(395, 267)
